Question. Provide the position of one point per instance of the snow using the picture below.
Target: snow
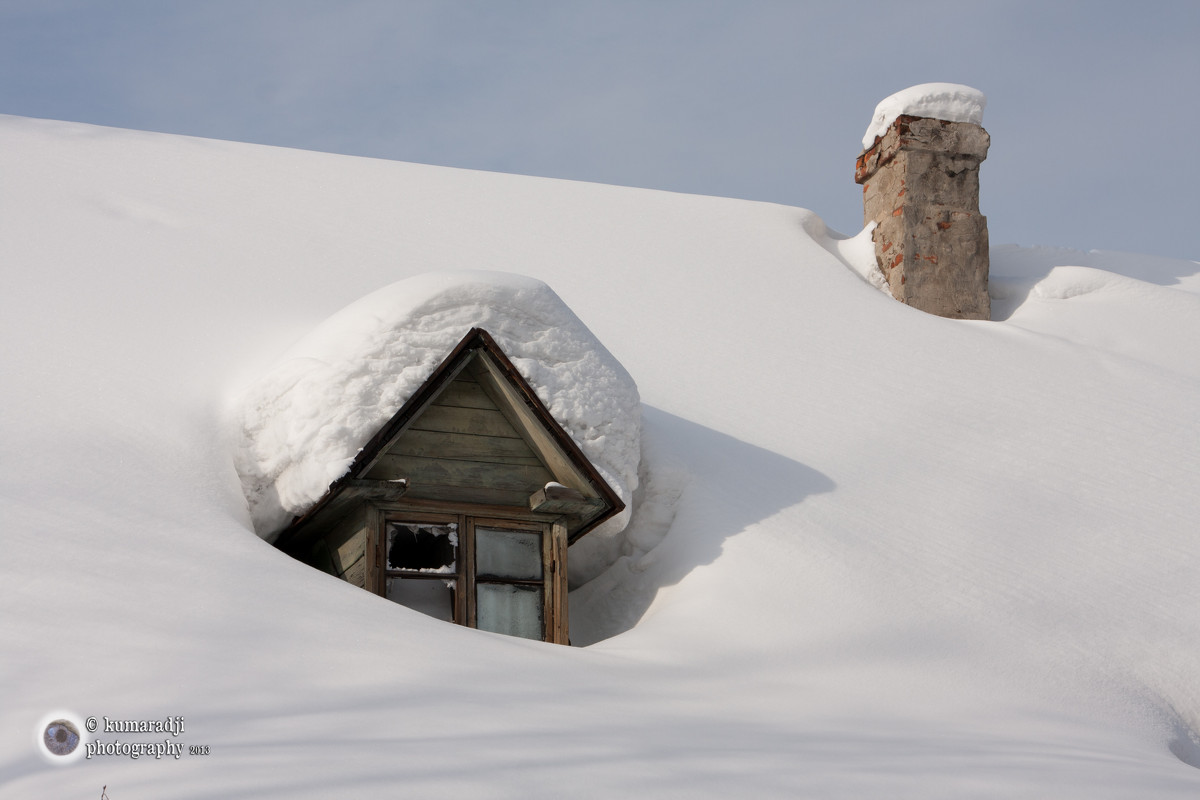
(299, 427)
(871, 552)
(952, 102)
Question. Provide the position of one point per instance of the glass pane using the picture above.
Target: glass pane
(508, 554)
(424, 547)
(434, 597)
(506, 608)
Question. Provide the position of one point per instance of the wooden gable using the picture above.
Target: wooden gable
(462, 447)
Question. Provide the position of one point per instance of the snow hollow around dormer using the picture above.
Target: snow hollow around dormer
(299, 427)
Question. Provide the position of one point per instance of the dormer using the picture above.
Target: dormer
(463, 505)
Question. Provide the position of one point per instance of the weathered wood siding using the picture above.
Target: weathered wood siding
(559, 629)
(521, 418)
(341, 550)
(463, 448)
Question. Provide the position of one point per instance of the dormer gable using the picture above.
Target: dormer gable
(473, 473)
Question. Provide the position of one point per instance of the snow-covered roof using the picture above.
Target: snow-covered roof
(299, 428)
(874, 552)
(952, 102)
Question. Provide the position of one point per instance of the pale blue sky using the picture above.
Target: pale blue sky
(1093, 107)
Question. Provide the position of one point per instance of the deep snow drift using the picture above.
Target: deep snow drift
(298, 428)
(872, 552)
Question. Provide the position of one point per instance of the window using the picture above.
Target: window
(509, 593)
(421, 567)
(492, 574)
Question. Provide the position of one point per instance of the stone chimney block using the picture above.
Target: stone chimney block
(920, 184)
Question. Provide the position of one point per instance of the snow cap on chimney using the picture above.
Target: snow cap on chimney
(952, 102)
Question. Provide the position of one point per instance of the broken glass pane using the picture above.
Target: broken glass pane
(424, 547)
(508, 608)
(432, 597)
(508, 554)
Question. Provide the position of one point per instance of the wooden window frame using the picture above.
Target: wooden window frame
(379, 531)
(553, 537)
(546, 581)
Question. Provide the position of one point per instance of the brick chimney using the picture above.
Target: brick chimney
(920, 182)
